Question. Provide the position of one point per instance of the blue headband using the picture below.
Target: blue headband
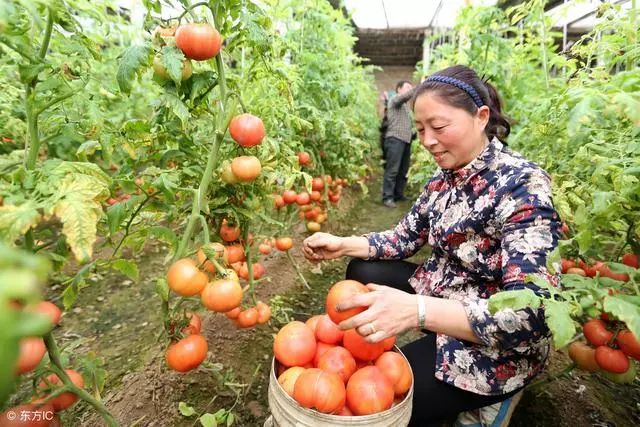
(460, 85)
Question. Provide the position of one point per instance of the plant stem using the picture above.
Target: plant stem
(297, 268)
(47, 35)
(553, 377)
(54, 355)
(33, 140)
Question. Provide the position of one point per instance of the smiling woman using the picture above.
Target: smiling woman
(488, 216)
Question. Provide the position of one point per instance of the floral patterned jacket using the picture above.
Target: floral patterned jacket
(489, 224)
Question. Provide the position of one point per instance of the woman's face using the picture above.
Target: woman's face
(452, 135)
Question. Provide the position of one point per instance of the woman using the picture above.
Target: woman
(488, 217)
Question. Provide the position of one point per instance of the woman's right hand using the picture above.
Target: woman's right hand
(322, 246)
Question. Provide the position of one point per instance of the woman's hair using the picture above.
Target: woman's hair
(454, 95)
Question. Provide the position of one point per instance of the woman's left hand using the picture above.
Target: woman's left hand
(390, 312)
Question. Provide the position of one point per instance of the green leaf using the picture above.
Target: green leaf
(128, 268)
(172, 59)
(173, 103)
(208, 420)
(17, 220)
(162, 289)
(133, 60)
(230, 419)
(88, 148)
(560, 322)
(164, 234)
(625, 311)
(186, 410)
(115, 215)
(516, 300)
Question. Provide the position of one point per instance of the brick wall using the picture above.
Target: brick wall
(393, 46)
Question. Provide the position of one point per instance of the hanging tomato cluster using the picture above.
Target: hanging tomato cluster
(338, 372)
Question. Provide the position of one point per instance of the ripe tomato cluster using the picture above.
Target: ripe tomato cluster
(609, 349)
(337, 372)
(215, 276)
(312, 206)
(31, 352)
(598, 268)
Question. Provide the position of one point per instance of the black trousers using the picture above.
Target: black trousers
(434, 401)
(397, 159)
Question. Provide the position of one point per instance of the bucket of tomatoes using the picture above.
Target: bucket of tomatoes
(323, 376)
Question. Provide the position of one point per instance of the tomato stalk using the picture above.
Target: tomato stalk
(190, 8)
(297, 268)
(247, 251)
(54, 356)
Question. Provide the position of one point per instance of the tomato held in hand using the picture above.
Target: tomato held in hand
(247, 130)
(612, 360)
(327, 331)
(32, 350)
(198, 41)
(338, 293)
(187, 354)
(596, 332)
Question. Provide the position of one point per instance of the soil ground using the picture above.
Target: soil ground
(120, 322)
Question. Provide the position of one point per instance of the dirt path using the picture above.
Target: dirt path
(120, 322)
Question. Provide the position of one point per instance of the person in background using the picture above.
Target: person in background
(488, 216)
(397, 145)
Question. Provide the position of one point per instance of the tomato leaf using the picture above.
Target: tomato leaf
(17, 220)
(133, 60)
(516, 300)
(208, 420)
(172, 58)
(128, 268)
(164, 234)
(186, 410)
(625, 311)
(562, 326)
(115, 216)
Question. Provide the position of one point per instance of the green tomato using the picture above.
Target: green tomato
(625, 378)
(162, 73)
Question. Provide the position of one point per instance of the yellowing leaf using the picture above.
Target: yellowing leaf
(79, 217)
(17, 220)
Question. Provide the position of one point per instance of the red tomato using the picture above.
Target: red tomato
(247, 130)
(315, 195)
(264, 248)
(31, 352)
(584, 356)
(284, 243)
(631, 260)
(605, 271)
(321, 349)
(565, 229)
(355, 343)
(566, 264)
(328, 332)
(258, 271)
(576, 270)
(246, 168)
(264, 312)
(288, 378)
(304, 158)
(222, 295)
(317, 184)
(303, 198)
(628, 344)
(64, 400)
(295, 344)
(278, 200)
(184, 278)
(234, 253)
(198, 41)
(247, 318)
(397, 370)
(345, 412)
(195, 324)
(187, 354)
(48, 308)
(596, 332)
(339, 361)
(388, 343)
(233, 314)
(320, 390)
(369, 391)
(312, 322)
(612, 360)
(338, 293)
(289, 196)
